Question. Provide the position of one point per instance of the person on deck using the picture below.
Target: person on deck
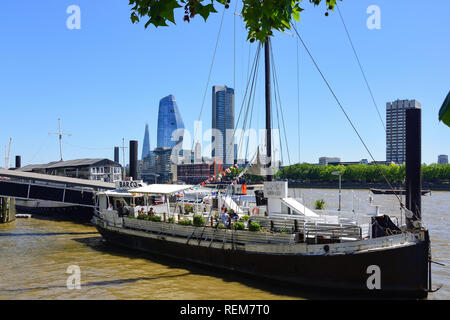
(234, 215)
(225, 218)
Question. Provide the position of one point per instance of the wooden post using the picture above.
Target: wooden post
(212, 222)
(7, 210)
(165, 217)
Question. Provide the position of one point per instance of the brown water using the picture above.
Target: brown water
(35, 255)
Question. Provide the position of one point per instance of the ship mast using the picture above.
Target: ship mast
(268, 111)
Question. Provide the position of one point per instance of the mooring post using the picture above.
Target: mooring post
(7, 210)
(413, 165)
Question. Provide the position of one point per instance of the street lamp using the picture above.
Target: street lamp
(338, 173)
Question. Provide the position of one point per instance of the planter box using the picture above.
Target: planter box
(242, 236)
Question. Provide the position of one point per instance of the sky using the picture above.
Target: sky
(105, 79)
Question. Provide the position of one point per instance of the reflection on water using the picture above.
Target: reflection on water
(35, 254)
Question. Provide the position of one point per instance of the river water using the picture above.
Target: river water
(35, 255)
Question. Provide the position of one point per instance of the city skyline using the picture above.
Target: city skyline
(86, 77)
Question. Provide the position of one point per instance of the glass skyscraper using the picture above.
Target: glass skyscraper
(169, 120)
(146, 144)
(222, 120)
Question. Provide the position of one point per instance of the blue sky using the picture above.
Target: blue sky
(105, 80)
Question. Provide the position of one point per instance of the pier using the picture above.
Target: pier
(7, 210)
(32, 186)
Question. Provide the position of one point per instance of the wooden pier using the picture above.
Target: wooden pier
(7, 210)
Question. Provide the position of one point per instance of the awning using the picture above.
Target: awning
(444, 113)
(161, 188)
(116, 193)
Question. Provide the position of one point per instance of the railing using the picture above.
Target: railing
(207, 233)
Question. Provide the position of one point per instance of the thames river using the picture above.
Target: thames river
(36, 255)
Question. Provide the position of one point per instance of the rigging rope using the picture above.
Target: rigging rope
(277, 90)
(209, 75)
(361, 68)
(345, 113)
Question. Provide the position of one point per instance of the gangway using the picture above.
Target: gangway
(35, 186)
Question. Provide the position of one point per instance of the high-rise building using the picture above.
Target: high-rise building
(169, 120)
(396, 129)
(442, 159)
(157, 167)
(223, 120)
(146, 144)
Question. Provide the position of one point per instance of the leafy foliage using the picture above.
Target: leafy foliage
(361, 173)
(156, 218)
(254, 226)
(238, 226)
(261, 17)
(319, 204)
(220, 225)
(199, 221)
(245, 218)
(185, 222)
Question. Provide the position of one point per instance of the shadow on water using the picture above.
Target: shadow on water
(31, 234)
(84, 220)
(267, 285)
(98, 283)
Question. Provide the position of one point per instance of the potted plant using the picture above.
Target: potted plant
(185, 222)
(254, 226)
(156, 219)
(320, 204)
(199, 221)
(239, 226)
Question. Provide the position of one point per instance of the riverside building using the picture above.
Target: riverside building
(396, 129)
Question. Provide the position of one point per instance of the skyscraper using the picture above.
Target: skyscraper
(169, 120)
(146, 144)
(223, 120)
(396, 129)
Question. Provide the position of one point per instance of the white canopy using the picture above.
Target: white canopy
(118, 193)
(160, 188)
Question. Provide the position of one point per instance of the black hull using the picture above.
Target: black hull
(404, 270)
(70, 213)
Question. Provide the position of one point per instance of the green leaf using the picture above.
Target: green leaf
(444, 112)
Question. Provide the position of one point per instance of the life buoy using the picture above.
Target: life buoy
(255, 210)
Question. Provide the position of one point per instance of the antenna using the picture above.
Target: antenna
(123, 153)
(60, 134)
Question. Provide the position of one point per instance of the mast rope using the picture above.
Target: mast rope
(277, 95)
(209, 75)
(346, 115)
(361, 68)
